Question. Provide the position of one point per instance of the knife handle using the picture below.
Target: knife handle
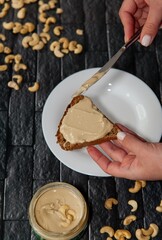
(134, 38)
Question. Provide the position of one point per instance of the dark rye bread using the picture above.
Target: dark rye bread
(69, 146)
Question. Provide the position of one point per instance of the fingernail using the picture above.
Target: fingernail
(121, 136)
(146, 40)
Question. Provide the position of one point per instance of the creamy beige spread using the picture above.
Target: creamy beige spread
(58, 210)
(83, 122)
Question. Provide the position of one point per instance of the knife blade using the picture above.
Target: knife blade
(99, 74)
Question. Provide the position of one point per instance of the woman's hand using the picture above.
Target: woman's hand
(132, 157)
(135, 13)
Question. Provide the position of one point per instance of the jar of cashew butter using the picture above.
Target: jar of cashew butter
(58, 211)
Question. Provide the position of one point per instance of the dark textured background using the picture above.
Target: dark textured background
(26, 162)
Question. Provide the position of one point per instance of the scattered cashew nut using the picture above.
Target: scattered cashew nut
(57, 52)
(72, 45)
(14, 85)
(19, 66)
(57, 30)
(78, 49)
(34, 88)
(122, 233)
(129, 219)
(137, 186)
(107, 229)
(109, 203)
(79, 32)
(18, 78)
(64, 41)
(140, 235)
(155, 229)
(159, 208)
(38, 46)
(59, 10)
(134, 205)
(3, 68)
(21, 13)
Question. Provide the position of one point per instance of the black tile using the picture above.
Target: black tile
(16, 230)
(46, 165)
(18, 184)
(3, 142)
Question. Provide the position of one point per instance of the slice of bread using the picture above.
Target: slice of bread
(66, 145)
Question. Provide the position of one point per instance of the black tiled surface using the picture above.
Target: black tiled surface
(26, 163)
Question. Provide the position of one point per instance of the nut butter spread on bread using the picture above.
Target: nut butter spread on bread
(83, 124)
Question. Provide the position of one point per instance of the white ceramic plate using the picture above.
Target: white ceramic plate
(121, 96)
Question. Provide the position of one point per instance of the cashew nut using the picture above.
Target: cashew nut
(53, 45)
(38, 46)
(42, 17)
(50, 20)
(63, 209)
(35, 40)
(71, 213)
(143, 183)
(18, 58)
(26, 40)
(43, 7)
(51, 4)
(19, 66)
(2, 37)
(1, 47)
(57, 52)
(30, 26)
(78, 49)
(9, 58)
(79, 32)
(64, 41)
(34, 88)
(66, 51)
(107, 229)
(46, 28)
(7, 50)
(14, 85)
(57, 30)
(3, 68)
(140, 235)
(59, 10)
(21, 13)
(72, 45)
(18, 78)
(136, 188)
(134, 205)
(17, 4)
(17, 27)
(24, 30)
(8, 26)
(122, 233)
(45, 37)
(4, 10)
(109, 203)
(129, 219)
(147, 232)
(155, 229)
(159, 208)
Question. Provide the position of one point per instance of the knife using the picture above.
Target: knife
(98, 75)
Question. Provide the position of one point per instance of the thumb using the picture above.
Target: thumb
(130, 142)
(151, 25)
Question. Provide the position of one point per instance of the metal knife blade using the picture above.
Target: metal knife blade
(98, 75)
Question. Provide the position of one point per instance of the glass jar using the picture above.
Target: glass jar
(58, 211)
